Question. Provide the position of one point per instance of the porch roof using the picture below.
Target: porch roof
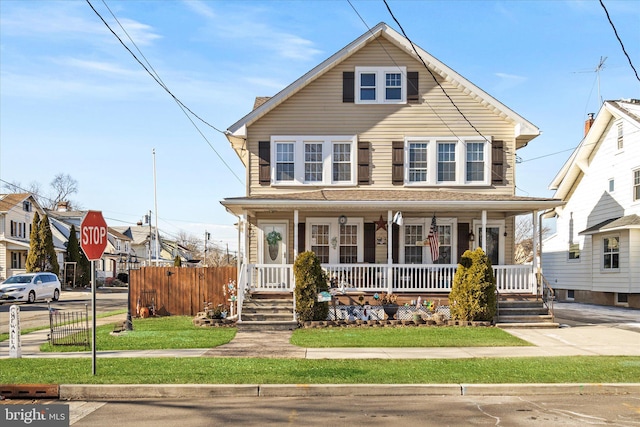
(405, 199)
(613, 224)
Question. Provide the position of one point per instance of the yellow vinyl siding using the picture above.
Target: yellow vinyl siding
(317, 109)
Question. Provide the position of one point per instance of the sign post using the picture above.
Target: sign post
(15, 345)
(93, 241)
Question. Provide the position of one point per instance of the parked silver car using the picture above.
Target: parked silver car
(30, 287)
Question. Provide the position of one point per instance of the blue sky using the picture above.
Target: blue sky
(74, 101)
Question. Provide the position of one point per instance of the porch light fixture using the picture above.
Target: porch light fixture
(472, 237)
(397, 218)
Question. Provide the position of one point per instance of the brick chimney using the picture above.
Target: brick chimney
(63, 206)
(588, 123)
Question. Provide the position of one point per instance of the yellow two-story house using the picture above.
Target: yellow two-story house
(388, 165)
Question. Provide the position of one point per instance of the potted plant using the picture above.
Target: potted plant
(388, 303)
(273, 239)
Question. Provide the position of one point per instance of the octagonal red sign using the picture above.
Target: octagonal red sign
(93, 235)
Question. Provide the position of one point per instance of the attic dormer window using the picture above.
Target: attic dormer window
(381, 85)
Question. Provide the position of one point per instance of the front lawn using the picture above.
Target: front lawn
(172, 332)
(206, 370)
(441, 336)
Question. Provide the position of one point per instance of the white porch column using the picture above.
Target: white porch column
(535, 265)
(295, 234)
(484, 231)
(389, 251)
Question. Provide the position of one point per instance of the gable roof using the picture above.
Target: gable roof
(526, 131)
(573, 167)
(9, 201)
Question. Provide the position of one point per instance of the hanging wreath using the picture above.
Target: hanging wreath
(273, 237)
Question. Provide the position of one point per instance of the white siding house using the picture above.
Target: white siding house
(595, 254)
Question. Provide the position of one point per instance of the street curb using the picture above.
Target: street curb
(551, 388)
(155, 391)
(306, 390)
(188, 391)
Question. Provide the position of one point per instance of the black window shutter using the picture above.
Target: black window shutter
(412, 87)
(301, 237)
(364, 167)
(397, 163)
(348, 86)
(264, 154)
(497, 162)
(463, 239)
(370, 242)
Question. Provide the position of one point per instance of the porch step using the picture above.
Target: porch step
(267, 312)
(263, 325)
(533, 325)
(524, 313)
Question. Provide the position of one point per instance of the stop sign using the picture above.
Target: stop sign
(93, 235)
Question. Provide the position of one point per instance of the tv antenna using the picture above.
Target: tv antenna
(597, 71)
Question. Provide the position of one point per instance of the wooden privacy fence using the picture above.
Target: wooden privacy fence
(179, 290)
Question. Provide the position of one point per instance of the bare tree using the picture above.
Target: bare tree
(33, 188)
(63, 186)
(524, 238)
(189, 242)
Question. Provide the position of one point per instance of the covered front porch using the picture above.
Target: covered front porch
(406, 242)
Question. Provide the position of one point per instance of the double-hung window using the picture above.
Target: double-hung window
(313, 160)
(342, 162)
(475, 161)
(447, 161)
(636, 185)
(381, 85)
(413, 236)
(418, 162)
(285, 157)
(611, 252)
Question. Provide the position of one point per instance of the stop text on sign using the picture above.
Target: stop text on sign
(93, 235)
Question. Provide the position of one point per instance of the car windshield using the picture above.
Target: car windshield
(18, 279)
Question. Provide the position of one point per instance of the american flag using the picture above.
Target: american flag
(434, 243)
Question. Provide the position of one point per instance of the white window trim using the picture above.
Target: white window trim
(633, 184)
(380, 87)
(426, 226)
(327, 142)
(461, 161)
(334, 233)
(602, 267)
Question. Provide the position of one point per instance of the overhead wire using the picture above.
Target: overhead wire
(619, 39)
(158, 80)
(435, 112)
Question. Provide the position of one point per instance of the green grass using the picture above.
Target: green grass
(5, 336)
(204, 370)
(173, 332)
(405, 337)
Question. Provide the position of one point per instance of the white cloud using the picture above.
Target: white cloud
(508, 81)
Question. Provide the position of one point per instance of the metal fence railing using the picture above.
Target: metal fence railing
(69, 328)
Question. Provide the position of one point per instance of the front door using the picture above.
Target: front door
(493, 243)
(274, 243)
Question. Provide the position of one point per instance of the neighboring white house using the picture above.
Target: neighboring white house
(594, 256)
(16, 217)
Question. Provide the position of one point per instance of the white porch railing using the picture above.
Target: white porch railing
(405, 278)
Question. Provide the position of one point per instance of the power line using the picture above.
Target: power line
(434, 111)
(619, 40)
(432, 75)
(158, 80)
